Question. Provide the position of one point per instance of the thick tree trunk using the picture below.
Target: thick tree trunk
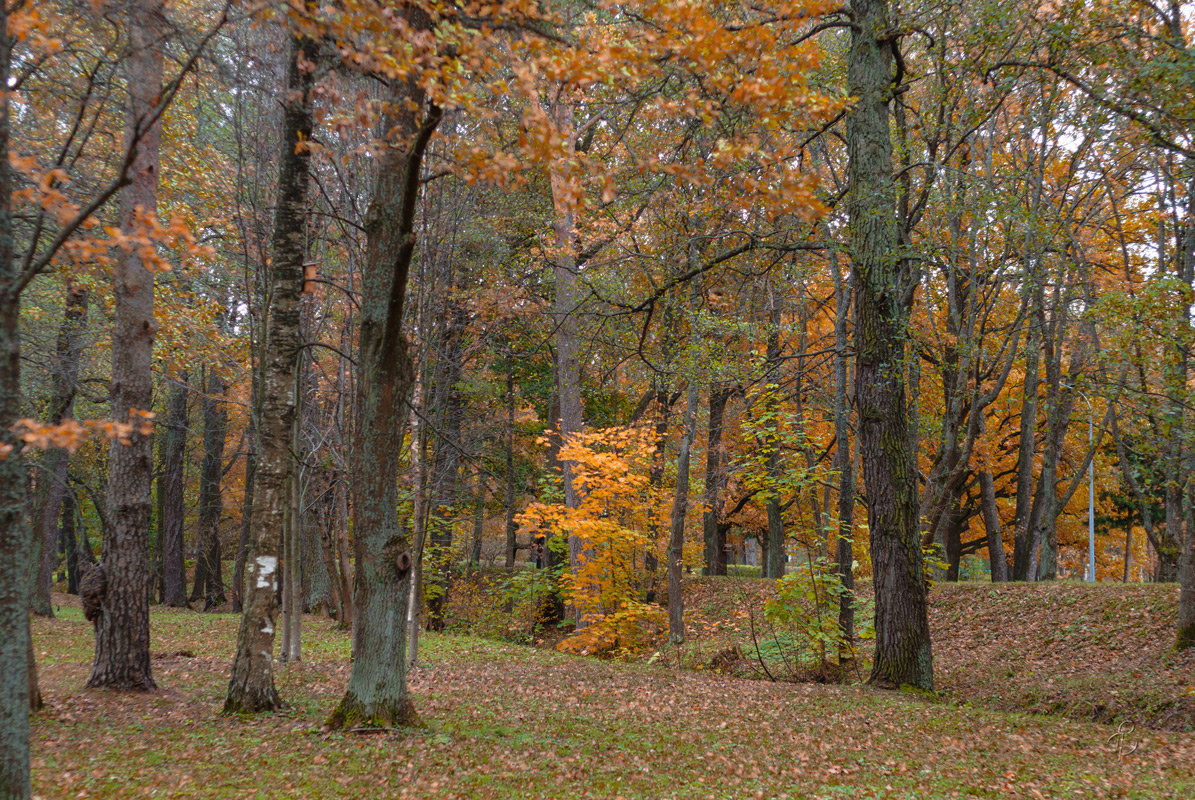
(122, 627)
(251, 685)
(15, 646)
(884, 288)
(211, 499)
(377, 690)
(170, 496)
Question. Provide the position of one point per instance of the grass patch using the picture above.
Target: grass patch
(513, 722)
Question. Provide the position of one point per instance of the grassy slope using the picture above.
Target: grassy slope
(506, 721)
(1101, 653)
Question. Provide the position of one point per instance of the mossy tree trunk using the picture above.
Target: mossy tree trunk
(377, 690)
(884, 285)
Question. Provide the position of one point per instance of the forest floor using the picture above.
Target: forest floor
(506, 721)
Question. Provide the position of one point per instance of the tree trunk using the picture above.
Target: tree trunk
(251, 685)
(122, 627)
(680, 509)
(1186, 576)
(715, 481)
(243, 538)
(15, 646)
(479, 522)
(292, 533)
(344, 561)
(64, 379)
(377, 690)
(1026, 454)
(884, 286)
(991, 524)
(419, 481)
(291, 649)
(777, 536)
(211, 499)
(69, 544)
(170, 496)
(565, 301)
(511, 527)
(445, 467)
(844, 464)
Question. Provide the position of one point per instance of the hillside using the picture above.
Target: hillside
(1102, 653)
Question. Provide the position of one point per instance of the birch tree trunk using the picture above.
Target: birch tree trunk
(251, 685)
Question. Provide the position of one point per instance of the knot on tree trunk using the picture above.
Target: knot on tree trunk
(93, 587)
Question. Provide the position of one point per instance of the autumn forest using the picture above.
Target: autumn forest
(393, 325)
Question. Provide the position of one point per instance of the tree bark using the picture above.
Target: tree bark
(844, 464)
(15, 646)
(69, 543)
(680, 509)
(1026, 453)
(564, 318)
(445, 466)
(122, 627)
(170, 496)
(884, 284)
(64, 378)
(1186, 575)
(715, 481)
(251, 685)
(243, 538)
(511, 527)
(211, 499)
(377, 690)
(777, 536)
